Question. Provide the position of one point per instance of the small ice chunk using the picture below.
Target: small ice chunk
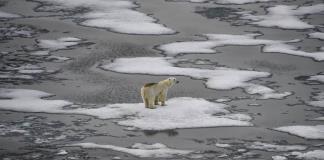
(318, 100)
(25, 100)
(284, 16)
(317, 35)
(310, 155)
(61, 43)
(278, 158)
(40, 53)
(62, 152)
(223, 145)
(308, 132)
(58, 58)
(276, 147)
(156, 150)
(319, 78)
(221, 100)
(15, 76)
(8, 15)
(239, 1)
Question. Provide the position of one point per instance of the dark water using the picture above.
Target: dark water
(79, 80)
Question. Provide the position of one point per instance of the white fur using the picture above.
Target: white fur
(152, 94)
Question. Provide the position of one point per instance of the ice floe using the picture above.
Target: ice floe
(279, 158)
(115, 15)
(218, 78)
(319, 78)
(318, 100)
(15, 76)
(284, 16)
(156, 150)
(310, 155)
(61, 43)
(308, 132)
(276, 147)
(40, 53)
(223, 145)
(219, 40)
(8, 15)
(182, 112)
(239, 1)
(317, 35)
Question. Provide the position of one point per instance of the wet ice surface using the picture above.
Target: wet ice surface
(115, 15)
(232, 102)
(156, 150)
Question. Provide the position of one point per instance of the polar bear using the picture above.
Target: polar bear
(153, 93)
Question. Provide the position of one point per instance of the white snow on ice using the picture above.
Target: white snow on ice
(308, 132)
(116, 15)
(310, 155)
(8, 15)
(317, 35)
(182, 112)
(61, 43)
(156, 150)
(278, 158)
(318, 100)
(219, 40)
(218, 78)
(239, 1)
(284, 16)
(223, 145)
(275, 147)
(319, 78)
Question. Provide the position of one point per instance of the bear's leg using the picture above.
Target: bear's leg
(163, 98)
(156, 100)
(146, 102)
(151, 102)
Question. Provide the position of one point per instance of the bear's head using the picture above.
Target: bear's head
(172, 81)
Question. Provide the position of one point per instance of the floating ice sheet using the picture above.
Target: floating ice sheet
(8, 15)
(310, 155)
(218, 40)
(61, 43)
(284, 16)
(156, 150)
(317, 35)
(308, 132)
(318, 100)
(183, 112)
(218, 78)
(239, 1)
(319, 78)
(276, 147)
(116, 15)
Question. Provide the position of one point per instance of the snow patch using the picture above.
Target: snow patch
(310, 155)
(319, 78)
(156, 150)
(278, 158)
(182, 112)
(318, 100)
(61, 43)
(115, 15)
(219, 40)
(218, 78)
(275, 147)
(284, 16)
(317, 35)
(308, 132)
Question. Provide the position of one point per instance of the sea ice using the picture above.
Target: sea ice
(182, 112)
(61, 43)
(156, 150)
(218, 78)
(278, 158)
(317, 35)
(319, 78)
(40, 53)
(8, 15)
(310, 155)
(116, 15)
(223, 145)
(318, 100)
(275, 147)
(219, 40)
(239, 1)
(308, 132)
(284, 16)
